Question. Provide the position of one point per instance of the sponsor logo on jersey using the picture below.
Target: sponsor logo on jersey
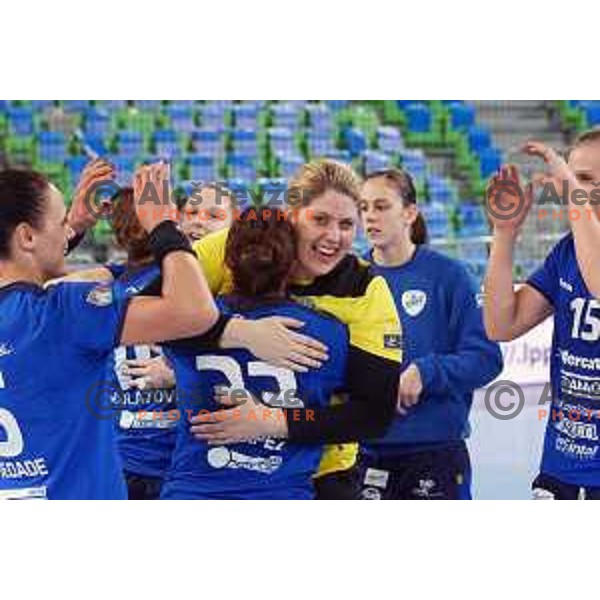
(101, 295)
(5, 350)
(371, 493)
(413, 302)
(565, 285)
(377, 478)
(392, 341)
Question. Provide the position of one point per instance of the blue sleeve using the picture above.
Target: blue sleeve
(476, 360)
(546, 280)
(90, 315)
(116, 269)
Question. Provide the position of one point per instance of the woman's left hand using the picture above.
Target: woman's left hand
(409, 389)
(238, 421)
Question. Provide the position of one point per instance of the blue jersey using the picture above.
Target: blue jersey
(571, 443)
(56, 440)
(262, 468)
(444, 336)
(145, 429)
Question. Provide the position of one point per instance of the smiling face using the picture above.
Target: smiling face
(385, 219)
(213, 213)
(325, 230)
(584, 161)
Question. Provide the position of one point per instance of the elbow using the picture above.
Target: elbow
(197, 321)
(496, 333)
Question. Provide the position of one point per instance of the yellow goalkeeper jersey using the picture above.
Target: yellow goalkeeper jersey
(351, 292)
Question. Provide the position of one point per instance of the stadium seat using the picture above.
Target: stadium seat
(415, 163)
(286, 115)
(241, 167)
(202, 167)
(182, 117)
(439, 190)
(208, 141)
(462, 115)
(75, 165)
(281, 140)
(288, 165)
(151, 105)
(437, 220)
(418, 118)
(96, 143)
(244, 142)
(124, 169)
(166, 143)
(273, 190)
(375, 161)
(130, 143)
(319, 117)
(473, 221)
(355, 141)
(319, 143)
(214, 115)
(389, 139)
(479, 139)
(337, 105)
(40, 105)
(75, 105)
(20, 119)
(592, 113)
(52, 146)
(111, 104)
(97, 121)
(490, 160)
(245, 115)
(342, 156)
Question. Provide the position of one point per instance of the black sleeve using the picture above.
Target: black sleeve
(74, 242)
(372, 385)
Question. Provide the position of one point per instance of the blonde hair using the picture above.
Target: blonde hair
(317, 177)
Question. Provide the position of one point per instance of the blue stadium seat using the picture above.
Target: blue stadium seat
(52, 146)
(355, 141)
(415, 163)
(148, 104)
(245, 115)
(286, 115)
(289, 165)
(75, 165)
(282, 141)
(473, 220)
(244, 142)
(273, 192)
(337, 105)
(97, 143)
(112, 104)
(389, 139)
(462, 115)
(166, 143)
(479, 139)
(75, 105)
(376, 161)
(41, 104)
(130, 143)
(202, 167)
(97, 121)
(124, 169)
(592, 112)
(436, 218)
(439, 190)
(214, 114)
(320, 143)
(208, 141)
(490, 160)
(418, 117)
(241, 167)
(319, 117)
(20, 119)
(182, 117)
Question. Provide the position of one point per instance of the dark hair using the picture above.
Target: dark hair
(260, 251)
(404, 185)
(23, 195)
(129, 233)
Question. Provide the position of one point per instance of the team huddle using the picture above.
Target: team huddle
(253, 355)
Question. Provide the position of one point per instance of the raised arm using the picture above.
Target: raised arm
(185, 307)
(507, 313)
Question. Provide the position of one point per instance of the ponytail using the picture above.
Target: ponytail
(418, 231)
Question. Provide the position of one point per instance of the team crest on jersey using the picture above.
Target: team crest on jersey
(5, 350)
(413, 302)
(101, 295)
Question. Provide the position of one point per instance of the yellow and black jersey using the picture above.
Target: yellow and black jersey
(353, 294)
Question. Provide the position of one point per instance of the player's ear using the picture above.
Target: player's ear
(24, 237)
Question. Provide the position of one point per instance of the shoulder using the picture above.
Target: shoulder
(211, 243)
